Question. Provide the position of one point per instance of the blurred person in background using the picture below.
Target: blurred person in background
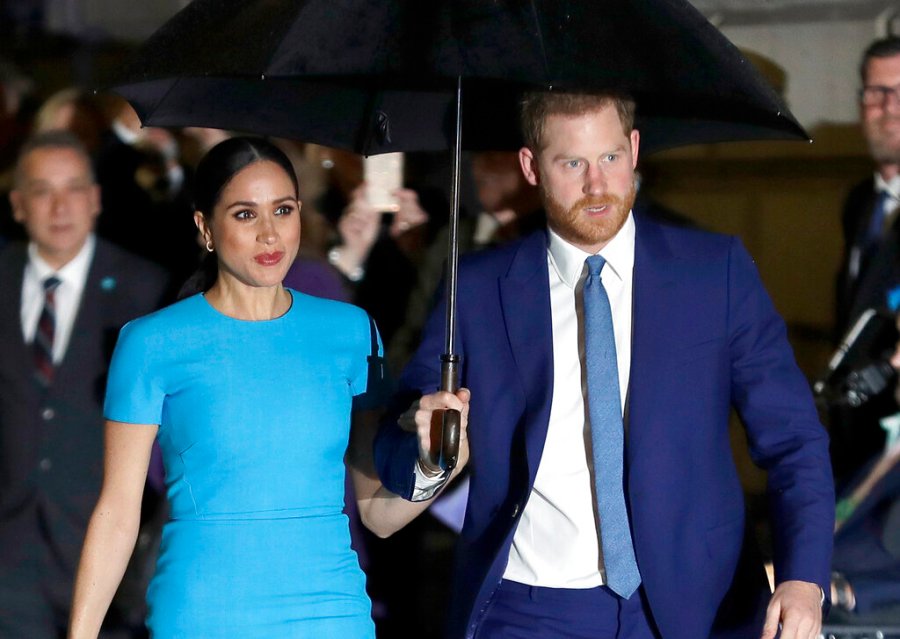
(508, 207)
(63, 297)
(76, 110)
(871, 261)
(146, 205)
(15, 91)
(376, 253)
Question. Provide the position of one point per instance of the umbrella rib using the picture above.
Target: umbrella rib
(540, 37)
(153, 110)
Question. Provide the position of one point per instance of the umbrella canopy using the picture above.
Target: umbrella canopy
(375, 76)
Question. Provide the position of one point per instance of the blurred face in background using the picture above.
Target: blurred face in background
(254, 227)
(498, 180)
(880, 111)
(56, 200)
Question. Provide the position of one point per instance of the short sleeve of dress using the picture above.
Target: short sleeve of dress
(371, 383)
(134, 390)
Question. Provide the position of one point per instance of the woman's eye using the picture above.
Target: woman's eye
(246, 214)
(284, 210)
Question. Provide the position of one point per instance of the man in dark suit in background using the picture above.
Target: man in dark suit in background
(603, 355)
(63, 298)
(871, 264)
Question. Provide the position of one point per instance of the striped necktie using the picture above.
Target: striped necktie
(607, 435)
(43, 336)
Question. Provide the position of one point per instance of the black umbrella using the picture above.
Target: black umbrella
(375, 76)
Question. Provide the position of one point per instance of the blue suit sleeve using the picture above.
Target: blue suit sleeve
(786, 438)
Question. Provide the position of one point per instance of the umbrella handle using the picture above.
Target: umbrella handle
(451, 420)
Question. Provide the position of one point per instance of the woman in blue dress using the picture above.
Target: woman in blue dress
(249, 388)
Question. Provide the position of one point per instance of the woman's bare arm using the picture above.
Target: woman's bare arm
(383, 512)
(113, 528)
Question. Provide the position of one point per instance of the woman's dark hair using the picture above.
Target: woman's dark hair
(217, 168)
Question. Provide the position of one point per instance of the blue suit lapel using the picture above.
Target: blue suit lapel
(655, 294)
(525, 301)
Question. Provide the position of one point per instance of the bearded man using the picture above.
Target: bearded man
(603, 355)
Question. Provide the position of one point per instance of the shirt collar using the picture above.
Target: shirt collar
(892, 186)
(568, 260)
(73, 272)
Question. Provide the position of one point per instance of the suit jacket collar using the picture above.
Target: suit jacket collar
(525, 301)
(655, 294)
(94, 307)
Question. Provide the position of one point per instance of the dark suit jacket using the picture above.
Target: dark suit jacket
(856, 435)
(705, 337)
(51, 445)
(867, 550)
(874, 276)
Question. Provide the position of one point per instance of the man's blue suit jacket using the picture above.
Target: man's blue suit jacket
(705, 338)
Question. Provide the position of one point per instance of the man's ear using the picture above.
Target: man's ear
(528, 163)
(635, 144)
(96, 203)
(15, 201)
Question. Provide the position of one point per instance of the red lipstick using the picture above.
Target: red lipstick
(269, 259)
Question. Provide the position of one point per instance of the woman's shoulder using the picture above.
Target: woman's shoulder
(335, 320)
(164, 320)
(322, 308)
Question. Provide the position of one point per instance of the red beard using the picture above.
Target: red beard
(582, 229)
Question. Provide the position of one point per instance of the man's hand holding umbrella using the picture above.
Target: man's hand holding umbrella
(424, 417)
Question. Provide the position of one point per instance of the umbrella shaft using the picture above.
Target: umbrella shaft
(453, 239)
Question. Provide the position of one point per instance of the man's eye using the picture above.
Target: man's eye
(573, 164)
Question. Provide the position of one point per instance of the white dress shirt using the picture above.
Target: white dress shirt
(892, 206)
(68, 295)
(557, 544)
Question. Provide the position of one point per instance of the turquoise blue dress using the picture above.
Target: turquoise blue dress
(254, 420)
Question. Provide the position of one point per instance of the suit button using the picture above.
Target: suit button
(515, 511)
(47, 414)
(45, 464)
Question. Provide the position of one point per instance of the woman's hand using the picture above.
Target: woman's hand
(409, 215)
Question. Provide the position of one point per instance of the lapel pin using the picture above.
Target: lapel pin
(108, 283)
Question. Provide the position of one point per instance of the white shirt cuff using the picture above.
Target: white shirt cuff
(426, 486)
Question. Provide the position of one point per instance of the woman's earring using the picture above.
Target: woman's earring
(209, 246)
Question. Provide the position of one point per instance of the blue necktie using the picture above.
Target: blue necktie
(607, 435)
(876, 222)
